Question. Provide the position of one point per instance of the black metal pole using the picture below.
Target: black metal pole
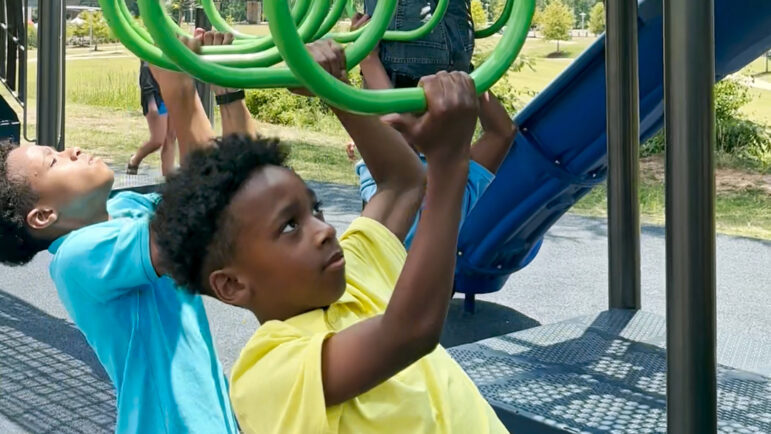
(49, 73)
(623, 126)
(689, 75)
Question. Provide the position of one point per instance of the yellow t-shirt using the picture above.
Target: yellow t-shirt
(276, 382)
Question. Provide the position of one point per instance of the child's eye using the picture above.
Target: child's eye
(53, 161)
(318, 212)
(289, 227)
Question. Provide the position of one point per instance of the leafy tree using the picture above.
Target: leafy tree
(179, 7)
(234, 10)
(535, 23)
(478, 13)
(597, 19)
(93, 28)
(556, 22)
(495, 9)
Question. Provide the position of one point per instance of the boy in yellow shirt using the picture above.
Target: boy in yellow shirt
(349, 333)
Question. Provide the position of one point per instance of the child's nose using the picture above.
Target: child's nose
(325, 233)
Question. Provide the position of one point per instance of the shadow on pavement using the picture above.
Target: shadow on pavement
(50, 380)
(489, 320)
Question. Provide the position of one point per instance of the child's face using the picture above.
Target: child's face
(287, 259)
(71, 185)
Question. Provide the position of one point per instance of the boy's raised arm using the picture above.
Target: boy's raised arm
(394, 166)
(186, 112)
(497, 136)
(368, 353)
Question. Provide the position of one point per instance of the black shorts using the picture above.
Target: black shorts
(146, 101)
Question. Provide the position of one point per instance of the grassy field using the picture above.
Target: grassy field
(103, 115)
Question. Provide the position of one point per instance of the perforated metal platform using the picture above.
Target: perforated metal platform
(145, 181)
(599, 373)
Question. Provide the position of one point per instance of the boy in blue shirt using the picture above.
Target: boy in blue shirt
(152, 338)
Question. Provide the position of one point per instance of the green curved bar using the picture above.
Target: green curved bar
(351, 99)
(226, 76)
(246, 55)
(299, 9)
(255, 44)
(129, 38)
(147, 50)
(399, 35)
(498, 24)
(334, 15)
(271, 56)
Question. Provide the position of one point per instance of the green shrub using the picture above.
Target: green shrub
(31, 36)
(735, 134)
(281, 107)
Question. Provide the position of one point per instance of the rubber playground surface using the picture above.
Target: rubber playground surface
(50, 380)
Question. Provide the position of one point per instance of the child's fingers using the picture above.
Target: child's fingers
(198, 32)
(219, 38)
(208, 38)
(228, 39)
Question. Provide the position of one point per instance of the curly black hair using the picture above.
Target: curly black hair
(17, 199)
(191, 228)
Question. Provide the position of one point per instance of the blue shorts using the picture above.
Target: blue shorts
(162, 108)
(478, 180)
(448, 47)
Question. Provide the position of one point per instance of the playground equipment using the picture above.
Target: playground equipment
(13, 63)
(607, 371)
(171, 53)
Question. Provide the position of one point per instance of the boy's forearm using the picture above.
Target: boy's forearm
(424, 289)
(188, 119)
(374, 74)
(236, 119)
(497, 136)
(494, 118)
(389, 158)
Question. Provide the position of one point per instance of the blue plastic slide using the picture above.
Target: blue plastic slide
(560, 151)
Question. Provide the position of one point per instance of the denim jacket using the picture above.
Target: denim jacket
(448, 47)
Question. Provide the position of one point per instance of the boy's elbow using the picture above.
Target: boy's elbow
(422, 341)
(408, 184)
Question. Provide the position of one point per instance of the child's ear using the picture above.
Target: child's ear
(41, 218)
(227, 287)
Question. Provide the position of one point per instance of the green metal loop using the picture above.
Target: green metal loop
(134, 43)
(232, 56)
(271, 56)
(399, 35)
(498, 24)
(334, 15)
(348, 98)
(299, 9)
(227, 76)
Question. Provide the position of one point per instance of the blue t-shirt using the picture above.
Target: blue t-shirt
(152, 338)
(478, 180)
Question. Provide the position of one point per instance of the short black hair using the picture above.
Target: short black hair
(17, 199)
(191, 228)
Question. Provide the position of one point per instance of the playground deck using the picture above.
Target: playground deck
(600, 373)
(50, 381)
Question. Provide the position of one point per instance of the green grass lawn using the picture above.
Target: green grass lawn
(759, 109)
(742, 213)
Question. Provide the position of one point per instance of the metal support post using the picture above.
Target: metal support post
(623, 126)
(689, 75)
(50, 74)
(204, 89)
